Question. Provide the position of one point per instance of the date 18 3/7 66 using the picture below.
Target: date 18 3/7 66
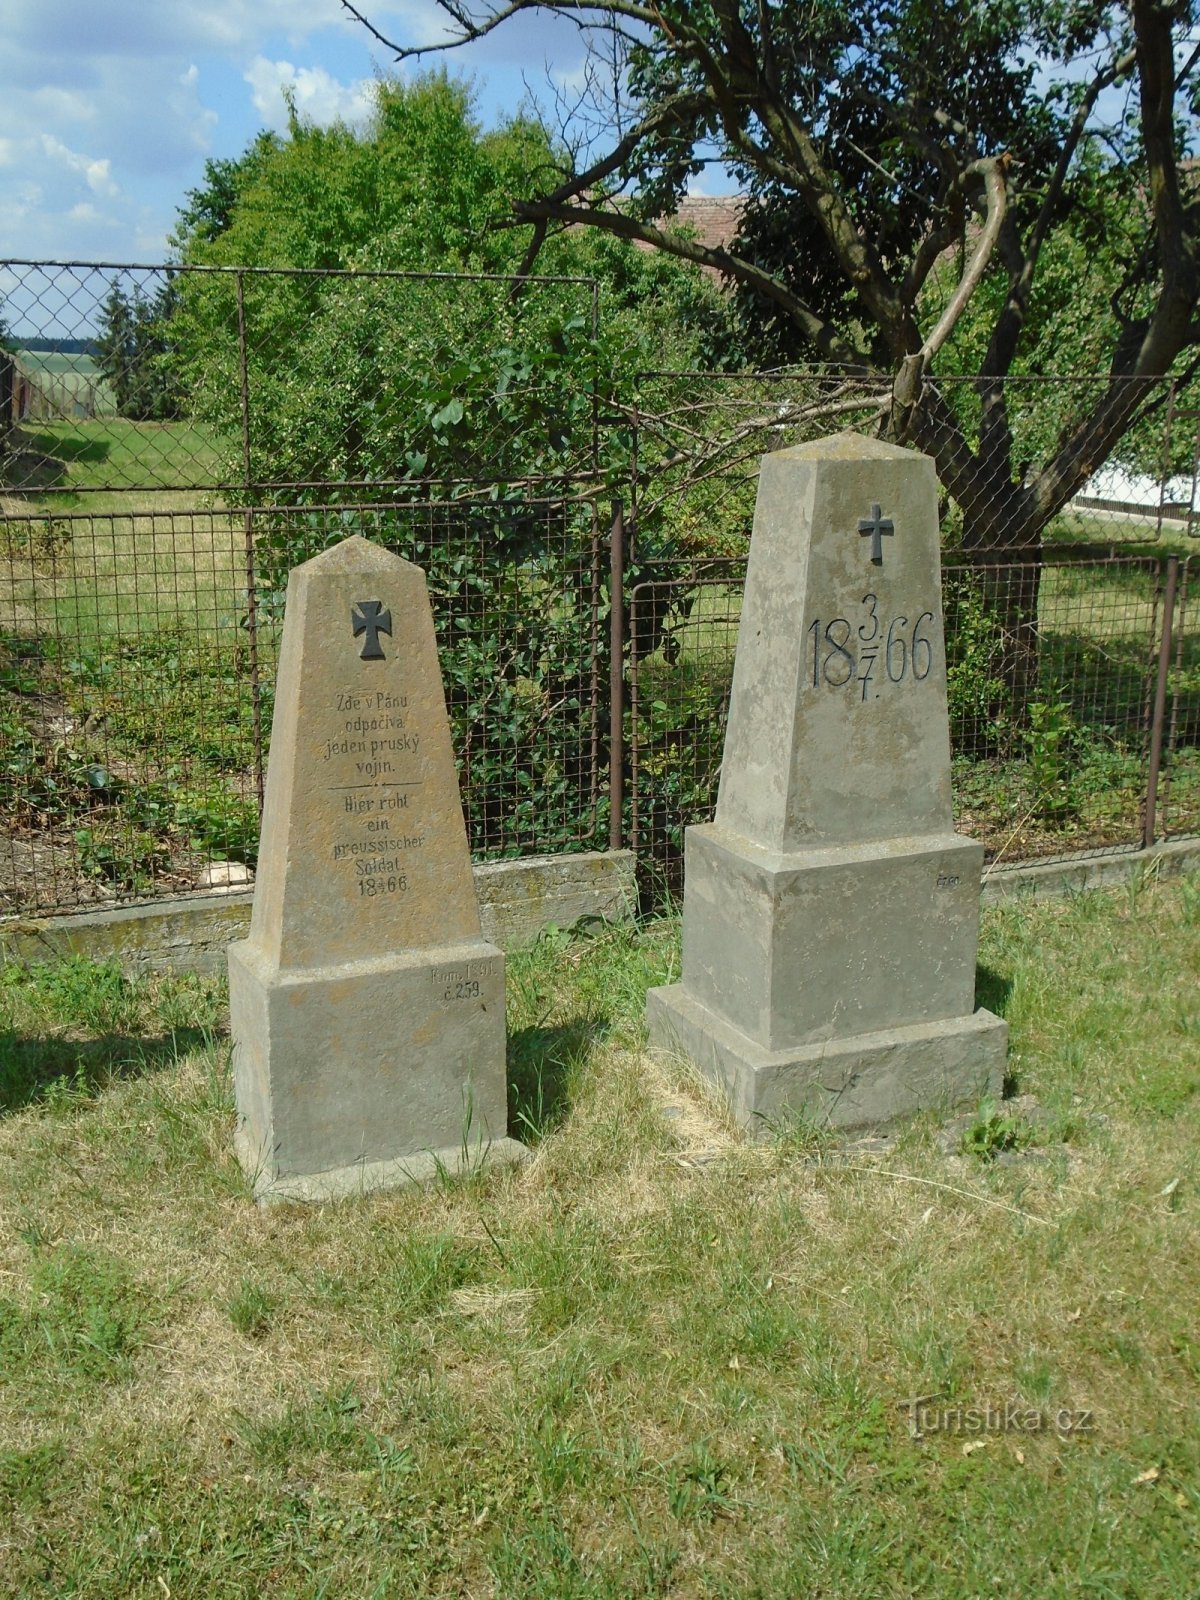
(873, 651)
(394, 883)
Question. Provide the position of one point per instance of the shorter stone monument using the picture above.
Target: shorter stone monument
(830, 912)
(367, 1011)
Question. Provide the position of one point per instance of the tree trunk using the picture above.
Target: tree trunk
(1002, 541)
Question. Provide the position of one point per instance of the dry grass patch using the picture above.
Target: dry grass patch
(657, 1360)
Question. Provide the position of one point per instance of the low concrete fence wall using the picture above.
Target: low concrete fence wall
(517, 900)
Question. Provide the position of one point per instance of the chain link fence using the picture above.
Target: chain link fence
(174, 440)
(137, 665)
(300, 386)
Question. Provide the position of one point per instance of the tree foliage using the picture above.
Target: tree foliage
(907, 160)
(412, 358)
(134, 352)
(374, 379)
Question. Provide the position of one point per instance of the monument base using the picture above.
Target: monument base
(419, 1037)
(866, 1080)
(344, 1183)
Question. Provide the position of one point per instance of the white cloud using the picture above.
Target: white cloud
(317, 95)
(119, 103)
(96, 173)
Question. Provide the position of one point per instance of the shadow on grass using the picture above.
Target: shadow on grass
(993, 991)
(36, 1070)
(542, 1066)
(70, 446)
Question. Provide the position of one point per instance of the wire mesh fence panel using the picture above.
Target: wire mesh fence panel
(516, 597)
(1179, 812)
(89, 398)
(1052, 773)
(129, 711)
(1058, 765)
(137, 657)
(683, 636)
(136, 378)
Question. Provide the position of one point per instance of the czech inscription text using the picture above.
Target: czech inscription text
(368, 753)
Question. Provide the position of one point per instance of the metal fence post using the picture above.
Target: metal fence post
(1158, 714)
(248, 536)
(616, 677)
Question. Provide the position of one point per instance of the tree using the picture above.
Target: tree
(134, 354)
(881, 141)
(368, 386)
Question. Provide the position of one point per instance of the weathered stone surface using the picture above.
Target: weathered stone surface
(795, 949)
(858, 1082)
(367, 1064)
(367, 1010)
(224, 877)
(362, 793)
(831, 914)
(825, 717)
(518, 899)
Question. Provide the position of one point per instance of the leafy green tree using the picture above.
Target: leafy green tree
(880, 140)
(367, 385)
(368, 380)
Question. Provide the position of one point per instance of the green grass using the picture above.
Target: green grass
(658, 1360)
(110, 453)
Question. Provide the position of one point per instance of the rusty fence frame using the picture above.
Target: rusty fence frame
(119, 739)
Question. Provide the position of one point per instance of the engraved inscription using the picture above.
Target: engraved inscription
(369, 617)
(459, 983)
(372, 761)
(948, 880)
(876, 651)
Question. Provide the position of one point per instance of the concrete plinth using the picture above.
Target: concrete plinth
(793, 949)
(864, 1080)
(418, 1042)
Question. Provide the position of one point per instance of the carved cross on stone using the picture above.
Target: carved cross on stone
(369, 617)
(876, 527)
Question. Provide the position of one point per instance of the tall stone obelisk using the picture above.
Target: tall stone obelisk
(831, 913)
(367, 1011)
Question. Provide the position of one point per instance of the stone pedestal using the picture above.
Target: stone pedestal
(367, 1010)
(831, 914)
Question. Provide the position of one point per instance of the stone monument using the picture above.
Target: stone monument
(367, 1011)
(830, 912)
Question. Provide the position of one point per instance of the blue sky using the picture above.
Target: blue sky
(112, 106)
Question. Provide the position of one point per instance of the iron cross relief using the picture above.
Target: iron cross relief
(369, 617)
(877, 528)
